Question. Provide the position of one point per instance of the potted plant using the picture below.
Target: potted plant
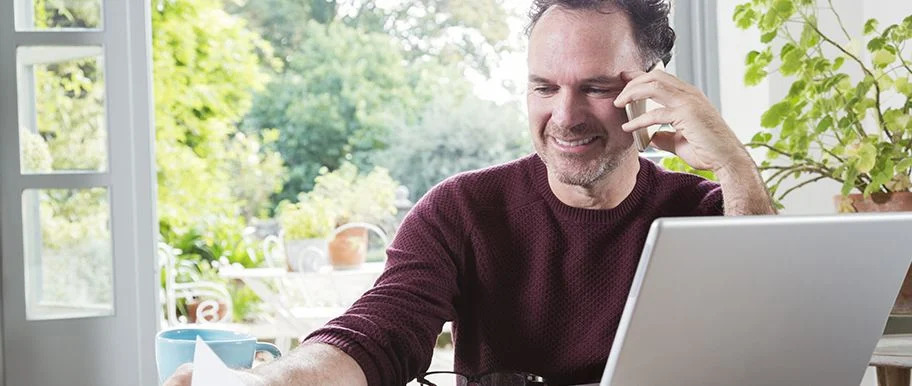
(832, 125)
(332, 220)
(363, 201)
(853, 128)
(200, 303)
(305, 226)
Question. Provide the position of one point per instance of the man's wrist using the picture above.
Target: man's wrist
(738, 165)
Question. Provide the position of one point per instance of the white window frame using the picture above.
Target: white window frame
(131, 182)
(696, 53)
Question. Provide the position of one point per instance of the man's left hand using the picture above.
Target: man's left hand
(702, 138)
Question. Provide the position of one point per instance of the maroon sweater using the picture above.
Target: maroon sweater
(530, 283)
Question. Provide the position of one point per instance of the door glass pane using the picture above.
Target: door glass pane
(62, 124)
(68, 259)
(34, 15)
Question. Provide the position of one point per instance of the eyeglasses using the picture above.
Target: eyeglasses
(449, 378)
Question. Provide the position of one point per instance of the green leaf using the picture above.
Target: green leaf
(788, 127)
(769, 36)
(843, 83)
(824, 125)
(837, 63)
(785, 8)
(754, 75)
(867, 156)
(770, 20)
(870, 26)
(881, 175)
(848, 177)
(882, 58)
(744, 17)
(809, 37)
(838, 150)
(903, 86)
(876, 44)
(751, 57)
(791, 61)
(761, 137)
(786, 48)
(797, 88)
(903, 166)
(776, 113)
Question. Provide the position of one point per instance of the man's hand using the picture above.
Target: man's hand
(309, 364)
(184, 374)
(702, 138)
(181, 377)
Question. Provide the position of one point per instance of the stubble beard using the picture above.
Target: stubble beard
(585, 175)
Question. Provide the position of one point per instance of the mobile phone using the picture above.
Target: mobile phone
(642, 137)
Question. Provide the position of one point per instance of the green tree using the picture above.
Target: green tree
(455, 134)
(66, 14)
(205, 70)
(469, 32)
(340, 96)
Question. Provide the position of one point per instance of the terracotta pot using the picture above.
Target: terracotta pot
(348, 249)
(209, 315)
(878, 202)
(884, 202)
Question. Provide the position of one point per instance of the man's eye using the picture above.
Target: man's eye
(601, 92)
(545, 90)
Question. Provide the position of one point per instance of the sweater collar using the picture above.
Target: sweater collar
(643, 188)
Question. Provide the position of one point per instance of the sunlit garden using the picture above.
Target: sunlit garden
(282, 120)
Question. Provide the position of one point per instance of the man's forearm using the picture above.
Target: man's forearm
(743, 190)
(312, 364)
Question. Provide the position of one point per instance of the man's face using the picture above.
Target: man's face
(575, 61)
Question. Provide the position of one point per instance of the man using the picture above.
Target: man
(532, 260)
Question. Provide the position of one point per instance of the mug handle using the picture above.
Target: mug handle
(270, 348)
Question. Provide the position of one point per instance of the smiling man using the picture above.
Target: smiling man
(532, 260)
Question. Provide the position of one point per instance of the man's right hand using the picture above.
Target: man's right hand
(309, 364)
(181, 376)
(184, 374)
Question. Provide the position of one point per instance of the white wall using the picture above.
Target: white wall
(742, 106)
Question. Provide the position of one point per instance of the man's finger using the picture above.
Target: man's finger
(658, 116)
(628, 76)
(181, 377)
(655, 90)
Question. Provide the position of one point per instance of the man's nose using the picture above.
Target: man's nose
(568, 110)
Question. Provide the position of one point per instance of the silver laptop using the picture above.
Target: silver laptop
(769, 300)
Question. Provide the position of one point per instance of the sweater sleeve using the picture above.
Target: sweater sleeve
(710, 199)
(391, 330)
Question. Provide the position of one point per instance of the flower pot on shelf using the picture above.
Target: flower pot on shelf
(884, 202)
(206, 311)
(877, 202)
(348, 249)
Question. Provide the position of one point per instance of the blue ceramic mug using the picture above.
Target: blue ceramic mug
(176, 347)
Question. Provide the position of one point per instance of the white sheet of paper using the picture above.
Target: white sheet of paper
(209, 370)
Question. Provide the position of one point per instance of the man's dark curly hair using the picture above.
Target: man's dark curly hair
(654, 37)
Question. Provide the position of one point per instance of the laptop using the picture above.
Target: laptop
(764, 300)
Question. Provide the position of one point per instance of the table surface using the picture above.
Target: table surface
(271, 273)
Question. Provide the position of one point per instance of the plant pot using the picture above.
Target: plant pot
(349, 248)
(877, 202)
(305, 255)
(213, 310)
(884, 202)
